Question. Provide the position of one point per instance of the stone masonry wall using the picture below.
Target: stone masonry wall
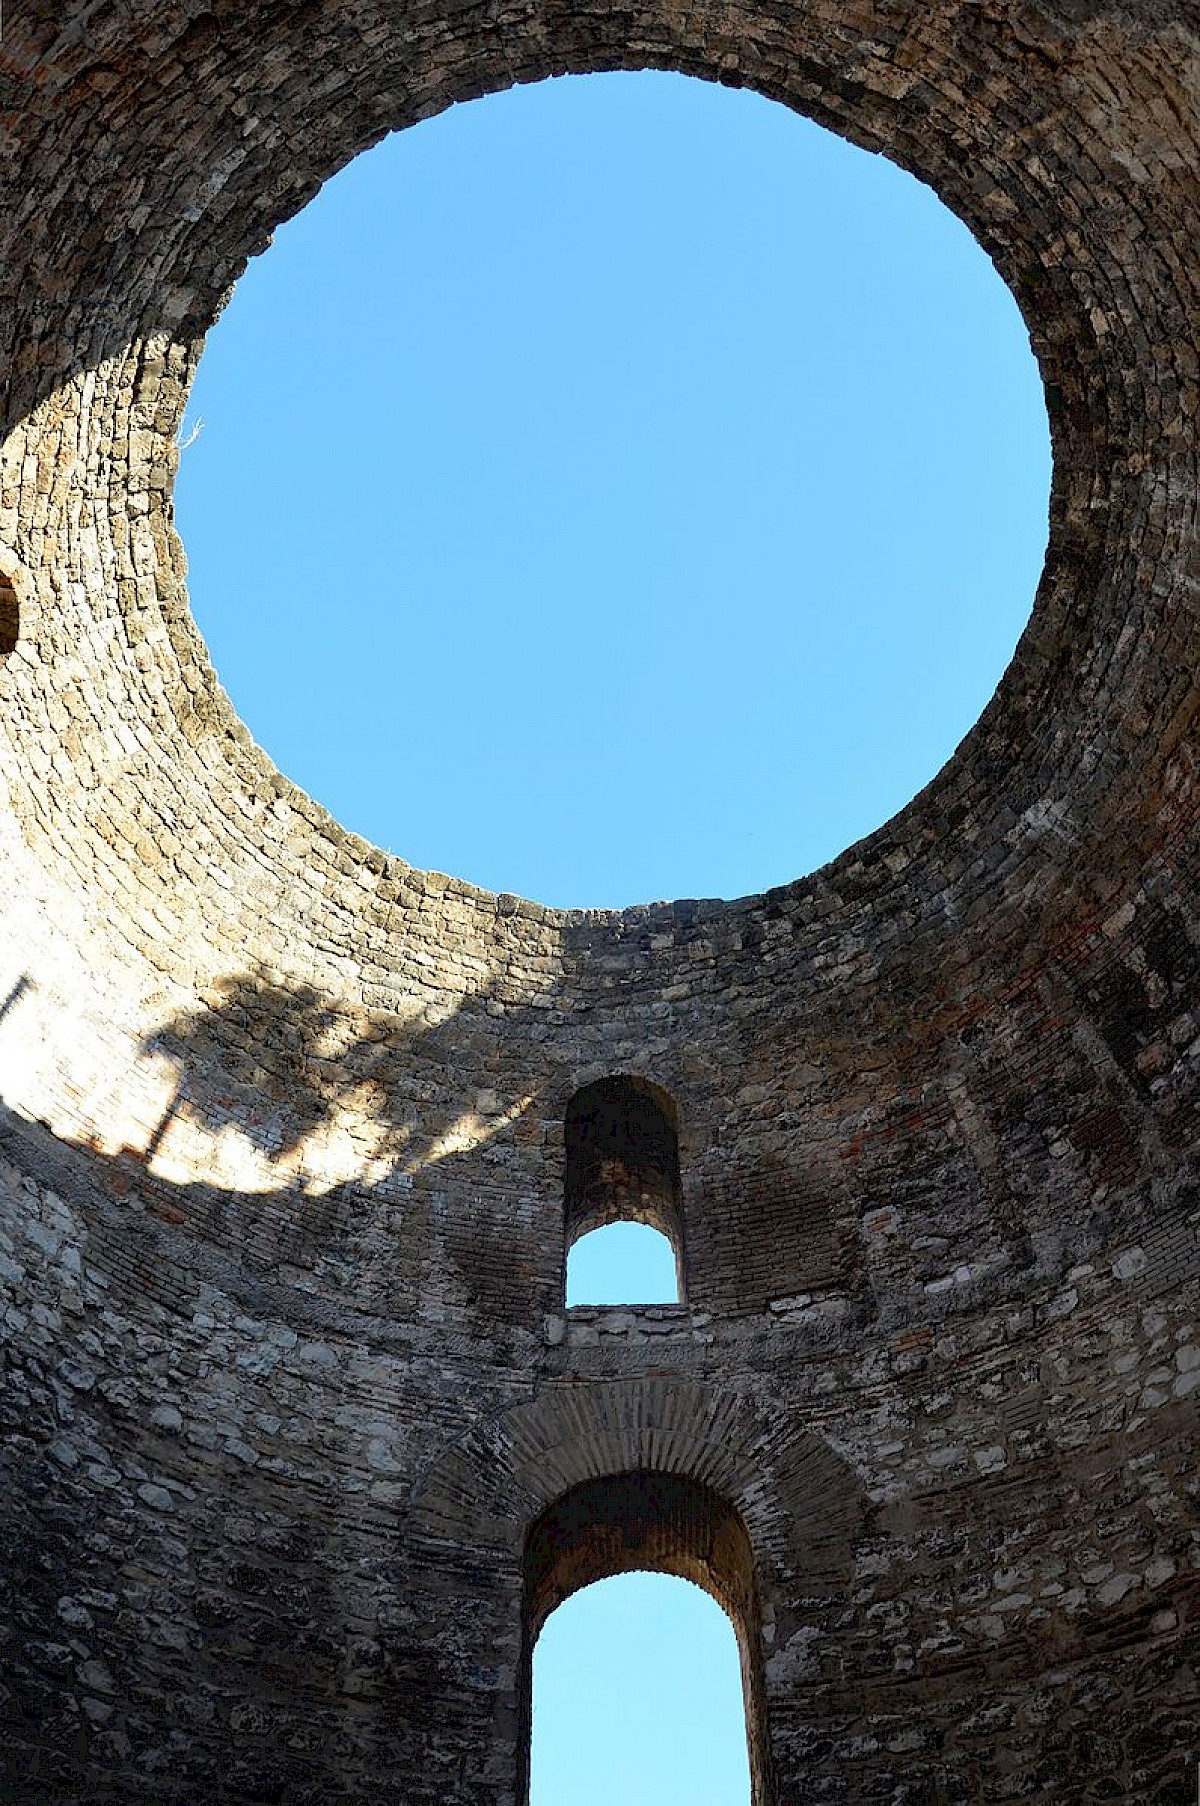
(285, 1373)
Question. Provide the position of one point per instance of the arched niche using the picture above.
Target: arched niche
(10, 617)
(13, 585)
(622, 1162)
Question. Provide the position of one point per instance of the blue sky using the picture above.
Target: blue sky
(616, 489)
(613, 489)
(658, 1717)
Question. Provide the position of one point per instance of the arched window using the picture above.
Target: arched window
(622, 1167)
(637, 1695)
(658, 1523)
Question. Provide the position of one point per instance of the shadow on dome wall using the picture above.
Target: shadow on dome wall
(20, 989)
(300, 1111)
(321, 1139)
(334, 1138)
(278, 1064)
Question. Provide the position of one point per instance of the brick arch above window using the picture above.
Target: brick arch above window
(800, 1501)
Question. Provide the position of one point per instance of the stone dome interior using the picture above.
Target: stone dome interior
(288, 1383)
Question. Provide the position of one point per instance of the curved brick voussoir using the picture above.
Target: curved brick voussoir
(794, 1495)
(288, 1391)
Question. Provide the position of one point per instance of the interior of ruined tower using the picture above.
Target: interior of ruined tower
(300, 1442)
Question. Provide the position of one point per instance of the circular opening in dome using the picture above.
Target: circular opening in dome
(678, 475)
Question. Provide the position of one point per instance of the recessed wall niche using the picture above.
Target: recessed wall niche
(10, 615)
(621, 1141)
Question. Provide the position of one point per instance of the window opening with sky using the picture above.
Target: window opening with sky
(637, 1698)
(623, 1263)
(646, 1675)
(622, 1219)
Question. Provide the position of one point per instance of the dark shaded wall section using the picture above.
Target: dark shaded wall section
(286, 1374)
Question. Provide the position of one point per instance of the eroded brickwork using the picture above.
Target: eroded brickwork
(286, 1374)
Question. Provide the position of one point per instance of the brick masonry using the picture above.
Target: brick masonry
(287, 1378)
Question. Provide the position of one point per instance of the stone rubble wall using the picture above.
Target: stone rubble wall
(251, 1581)
(281, 1150)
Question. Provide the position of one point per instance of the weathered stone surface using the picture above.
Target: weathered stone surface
(285, 1375)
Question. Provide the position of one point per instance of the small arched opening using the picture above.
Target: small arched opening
(656, 1523)
(622, 1168)
(10, 616)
